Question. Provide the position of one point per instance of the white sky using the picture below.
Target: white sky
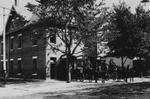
(23, 11)
(8, 4)
(132, 3)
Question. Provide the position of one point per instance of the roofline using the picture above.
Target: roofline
(42, 24)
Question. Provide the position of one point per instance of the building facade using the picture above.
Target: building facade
(28, 53)
(25, 56)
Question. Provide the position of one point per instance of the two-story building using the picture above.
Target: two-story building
(27, 54)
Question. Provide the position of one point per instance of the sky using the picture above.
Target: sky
(8, 4)
(132, 3)
(23, 11)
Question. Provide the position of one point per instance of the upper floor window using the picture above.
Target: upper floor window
(19, 40)
(34, 42)
(11, 42)
(53, 38)
(34, 38)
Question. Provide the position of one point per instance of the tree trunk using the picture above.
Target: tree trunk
(69, 75)
(68, 64)
(122, 66)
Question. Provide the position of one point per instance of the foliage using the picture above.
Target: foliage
(91, 21)
(142, 21)
(126, 31)
(72, 21)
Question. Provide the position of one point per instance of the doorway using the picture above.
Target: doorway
(53, 67)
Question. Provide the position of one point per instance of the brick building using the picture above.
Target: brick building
(27, 54)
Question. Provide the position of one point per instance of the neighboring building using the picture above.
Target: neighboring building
(117, 61)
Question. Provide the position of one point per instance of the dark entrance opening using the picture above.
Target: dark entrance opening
(53, 67)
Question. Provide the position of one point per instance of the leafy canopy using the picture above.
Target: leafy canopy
(127, 31)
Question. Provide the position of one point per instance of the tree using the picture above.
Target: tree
(91, 21)
(126, 32)
(69, 23)
(142, 23)
(119, 36)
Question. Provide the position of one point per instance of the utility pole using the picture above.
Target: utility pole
(4, 41)
(4, 47)
(145, 1)
(4, 44)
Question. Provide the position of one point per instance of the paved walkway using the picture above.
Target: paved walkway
(52, 86)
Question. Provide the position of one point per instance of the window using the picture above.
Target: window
(2, 66)
(34, 38)
(11, 43)
(34, 65)
(53, 38)
(19, 41)
(53, 59)
(19, 69)
(11, 66)
(34, 42)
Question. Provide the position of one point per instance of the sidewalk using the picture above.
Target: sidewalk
(53, 86)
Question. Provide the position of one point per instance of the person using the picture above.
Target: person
(96, 73)
(90, 74)
(74, 72)
(112, 69)
(127, 73)
(81, 76)
(103, 71)
(89, 70)
(132, 73)
(119, 73)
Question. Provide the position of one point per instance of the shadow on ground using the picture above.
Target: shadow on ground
(122, 91)
(17, 81)
(136, 90)
(76, 97)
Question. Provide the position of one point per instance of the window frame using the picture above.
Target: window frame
(34, 39)
(11, 42)
(19, 41)
(53, 36)
(19, 66)
(11, 66)
(34, 64)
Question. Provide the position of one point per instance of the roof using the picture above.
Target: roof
(34, 21)
(10, 17)
(14, 21)
(34, 18)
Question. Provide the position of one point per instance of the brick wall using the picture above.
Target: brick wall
(26, 55)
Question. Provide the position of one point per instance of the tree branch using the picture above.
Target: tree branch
(76, 46)
(54, 48)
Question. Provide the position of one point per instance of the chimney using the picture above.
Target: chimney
(16, 2)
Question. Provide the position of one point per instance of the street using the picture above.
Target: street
(52, 89)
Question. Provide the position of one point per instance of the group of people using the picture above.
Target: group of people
(103, 70)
